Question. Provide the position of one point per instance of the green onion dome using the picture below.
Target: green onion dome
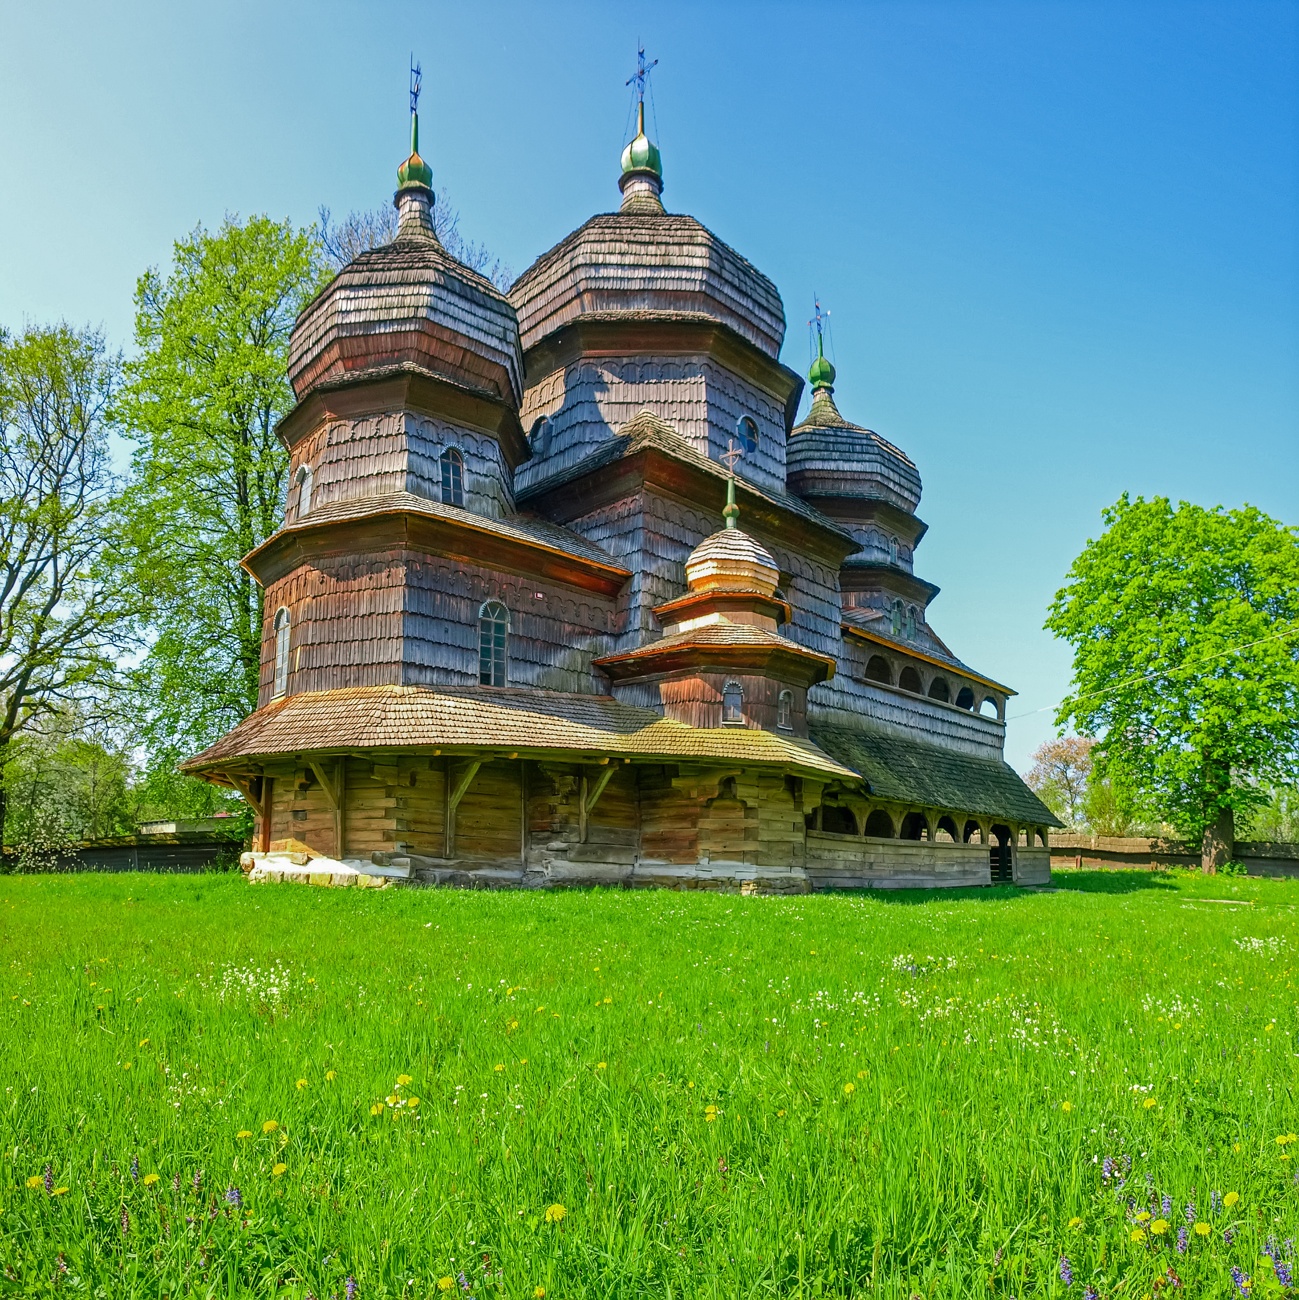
(414, 172)
(642, 154)
(821, 375)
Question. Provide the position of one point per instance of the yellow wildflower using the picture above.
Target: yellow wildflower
(514, 1024)
(413, 1102)
(1267, 1029)
(1235, 1146)
(391, 1099)
(602, 1065)
(780, 1114)
(144, 1042)
(1075, 1222)
(150, 1179)
(34, 1181)
(861, 1074)
(377, 1108)
(1159, 1227)
(243, 1133)
(497, 1068)
(278, 1170)
(59, 1191)
(1149, 1103)
(126, 1065)
(1138, 1234)
(302, 1083)
(1143, 1216)
(710, 1114)
(538, 1292)
(270, 1126)
(331, 1075)
(1202, 1229)
(555, 1213)
(446, 1283)
(1231, 1199)
(403, 1080)
(1066, 1106)
(849, 1089)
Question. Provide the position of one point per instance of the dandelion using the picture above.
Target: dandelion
(59, 1191)
(150, 1179)
(1066, 1106)
(331, 1075)
(403, 1080)
(1159, 1227)
(538, 1292)
(412, 1102)
(446, 1283)
(1202, 1229)
(1182, 1240)
(1143, 1216)
(278, 1170)
(1066, 1273)
(1149, 1104)
(1242, 1282)
(34, 1181)
(602, 1065)
(1232, 1198)
(377, 1108)
(350, 1288)
(302, 1083)
(1075, 1222)
(849, 1089)
(498, 1068)
(144, 1042)
(234, 1197)
(710, 1114)
(270, 1126)
(243, 1133)
(49, 1178)
(1138, 1234)
(555, 1213)
(135, 1169)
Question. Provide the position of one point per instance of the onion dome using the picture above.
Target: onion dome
(410, 303)
(646, 265)
(731, 560)
(827, 456)
(641, 181)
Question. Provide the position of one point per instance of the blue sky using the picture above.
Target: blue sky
(1059, 241)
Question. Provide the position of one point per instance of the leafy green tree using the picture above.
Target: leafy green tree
(63, 608)
(1185, 629)
(201, 404)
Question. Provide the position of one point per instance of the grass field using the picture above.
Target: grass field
(218, 1089)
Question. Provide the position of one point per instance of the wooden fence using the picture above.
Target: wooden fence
(1259, 858)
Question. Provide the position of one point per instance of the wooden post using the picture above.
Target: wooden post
(455, 792)
(267, 801)
(523, 813)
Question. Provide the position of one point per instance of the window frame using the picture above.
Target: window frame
(451, 477)
(749, 441)
(785, 710)
(283, 626)
(493, 643)
(304, 479)
(733, 714)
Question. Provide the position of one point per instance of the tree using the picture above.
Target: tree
(359, 231)
(1185, 629)
(63, 609)
(1060, 774)
(201, 405)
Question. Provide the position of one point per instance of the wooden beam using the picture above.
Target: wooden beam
(333, 783)
(268, 790)
(590, 796)
(326, 779)
(249, 787)
(456, 790)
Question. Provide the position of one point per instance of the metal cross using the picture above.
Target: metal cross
(819, 318)
(416, 78)
(641, 75)
(731, 455)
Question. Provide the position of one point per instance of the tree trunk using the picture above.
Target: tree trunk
(1219, 842)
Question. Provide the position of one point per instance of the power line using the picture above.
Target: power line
(1163, 672)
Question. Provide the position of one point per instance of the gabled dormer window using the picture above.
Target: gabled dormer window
(303, 480)
(282, 633)
(453, 477)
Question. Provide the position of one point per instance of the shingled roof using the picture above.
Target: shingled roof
(521, 719)
(910, 771)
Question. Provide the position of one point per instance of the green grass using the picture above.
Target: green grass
(909, 1093)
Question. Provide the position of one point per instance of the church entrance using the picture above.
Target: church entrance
(1001, 862)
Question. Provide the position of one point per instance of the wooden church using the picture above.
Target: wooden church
(531, 620)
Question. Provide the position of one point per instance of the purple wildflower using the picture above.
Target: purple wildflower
(350, 1288)
(1171, 1274)
(1241, 1280)
(1270, 1249)
(197, 1184)
(233, 1197)
(1181, 1241)
(175, 1182)
(1190, 1211)
(49, 1179)
(1166, 1204)
(1283, 1272)
(1228, 1236)
(1107, 1168)
(1215, 1202)
(61, 1263)
(126, 1221)
(135, 1169)
(1089, 1293)
(1066, 1273)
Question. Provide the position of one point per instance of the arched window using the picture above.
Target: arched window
(493, 633)
(303, 479)
(879, 824)
(539, 437)
(988, 708)
(971, 831)
(746, 430)
(915, 827)
(785, 710)
(947, 829)
(281, 650)
(896, 625)
(732, 702)
(939, 690)
(909, 680)
(910, 630)
(453, 477)
(877, 670)
(965, 698)
(893, 550)
(838, 820)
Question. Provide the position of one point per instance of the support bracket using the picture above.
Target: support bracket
(592, 789)
(457, 787)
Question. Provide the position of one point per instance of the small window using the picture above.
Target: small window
(877, 670)
(988, 708)
(281, 651)
(909, 680)
(453, 478)
(539, 438)
(939, 690)
(910, 630)
(746, 430)
(896, 625)
(493, 631)
(732, 702)
(965, 698)
(303, 479)
(785, 710)
(893, 550)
